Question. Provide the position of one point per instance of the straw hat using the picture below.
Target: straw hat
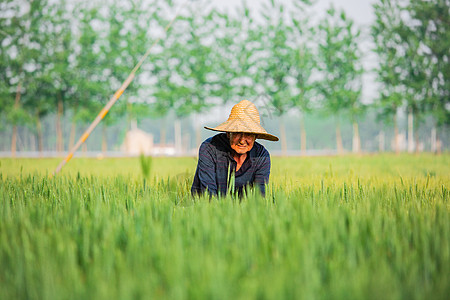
(244, 117)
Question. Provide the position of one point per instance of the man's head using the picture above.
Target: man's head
(244, 117)
(241, 142)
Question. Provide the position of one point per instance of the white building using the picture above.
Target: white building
(139, 142)
(136, 142)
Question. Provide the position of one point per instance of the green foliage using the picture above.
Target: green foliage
(80, 52)
(185, 70)
(17, 115)
(410, 41)
(339, 63)
(237, 45)
(349, 227)
(21, 41)
(386, 47)
(274, 71)
(430, 30)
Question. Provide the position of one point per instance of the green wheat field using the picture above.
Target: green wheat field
(351, 227)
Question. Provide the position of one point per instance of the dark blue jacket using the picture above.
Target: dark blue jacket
(215, 160)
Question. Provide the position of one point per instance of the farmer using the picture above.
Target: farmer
(234, 151)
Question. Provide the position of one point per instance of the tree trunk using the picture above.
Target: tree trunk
(381, 141)
(73, 128)
(410, 131)
(177, 128)
(104, 140)
(438, 144)
(283, 137)
(14, 141)
(25, 145)
(186, 142)
(396, 142)
(416, 135)
(433, 140)
(57, 129)
(340, 148)
(32, 143)
(59, 135)
(416, 138)
(356, 143)
(198, 132)
(302, 135)
(14, 129)
(20, 143)
(198, 136)
(162, 133)
(40, 136)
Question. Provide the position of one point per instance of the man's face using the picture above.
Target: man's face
(241, 142)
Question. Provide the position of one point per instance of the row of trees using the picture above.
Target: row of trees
(65, 56)
(412, 40)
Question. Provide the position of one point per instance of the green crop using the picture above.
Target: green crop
(371, 227)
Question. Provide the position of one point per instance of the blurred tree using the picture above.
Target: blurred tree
(236, 48)
(275, 62)
(185, 69)
(88, 78)
(6, 31)
(20, 46)
(415, 83)
(57, 67)
(39, 102)
(117, 58)
(142, 21)
(160, 99)
(339, 63)
(391, 62)
(413, 75)
(303, 64)
(410, 40)
(111, 39)
(430, 30)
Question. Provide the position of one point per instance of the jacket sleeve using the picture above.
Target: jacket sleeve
(205, 175)
(262, 171)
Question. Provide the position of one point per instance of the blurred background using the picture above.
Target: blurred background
(328, 77)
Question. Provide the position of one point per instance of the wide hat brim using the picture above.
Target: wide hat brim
(247, 126)
(264, 136)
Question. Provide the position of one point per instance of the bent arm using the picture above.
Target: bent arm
(262, 172)
(205, 175)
